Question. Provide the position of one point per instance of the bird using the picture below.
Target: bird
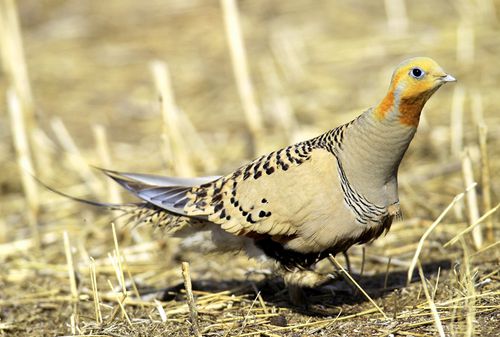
(299, 204)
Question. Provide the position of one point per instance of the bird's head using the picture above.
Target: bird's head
(419, 76)
(413, 83)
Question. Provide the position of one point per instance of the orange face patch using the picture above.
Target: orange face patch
(385, 106)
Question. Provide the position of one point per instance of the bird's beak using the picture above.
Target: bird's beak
(448, 78)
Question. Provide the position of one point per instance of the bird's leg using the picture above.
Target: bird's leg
(347, 262)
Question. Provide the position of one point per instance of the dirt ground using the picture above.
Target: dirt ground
(313, 65)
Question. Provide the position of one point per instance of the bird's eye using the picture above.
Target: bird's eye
(417, 73)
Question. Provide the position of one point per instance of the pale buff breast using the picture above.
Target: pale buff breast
(328, 220)
(309, 202)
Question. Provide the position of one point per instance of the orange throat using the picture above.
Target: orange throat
(409, 108)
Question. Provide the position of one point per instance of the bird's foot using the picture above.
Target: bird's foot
(299, 279)
(297, 296)
(308, 278)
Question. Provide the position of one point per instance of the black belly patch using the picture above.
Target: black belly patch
(288, 258)
(291, 259)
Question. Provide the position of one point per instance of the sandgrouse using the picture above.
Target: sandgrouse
(301, 203)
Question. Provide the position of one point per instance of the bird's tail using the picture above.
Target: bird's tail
(135, 213)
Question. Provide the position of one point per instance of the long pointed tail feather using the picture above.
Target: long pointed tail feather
(107, 205)
(139, 212)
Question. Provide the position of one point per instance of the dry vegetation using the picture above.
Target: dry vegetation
(85, 91)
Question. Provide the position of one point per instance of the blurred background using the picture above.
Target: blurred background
(199, 87)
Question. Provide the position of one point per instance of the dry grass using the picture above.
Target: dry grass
(303, 67)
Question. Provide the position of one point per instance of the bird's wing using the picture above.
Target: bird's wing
(156, 180)
(168, 193)
(274, 195)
